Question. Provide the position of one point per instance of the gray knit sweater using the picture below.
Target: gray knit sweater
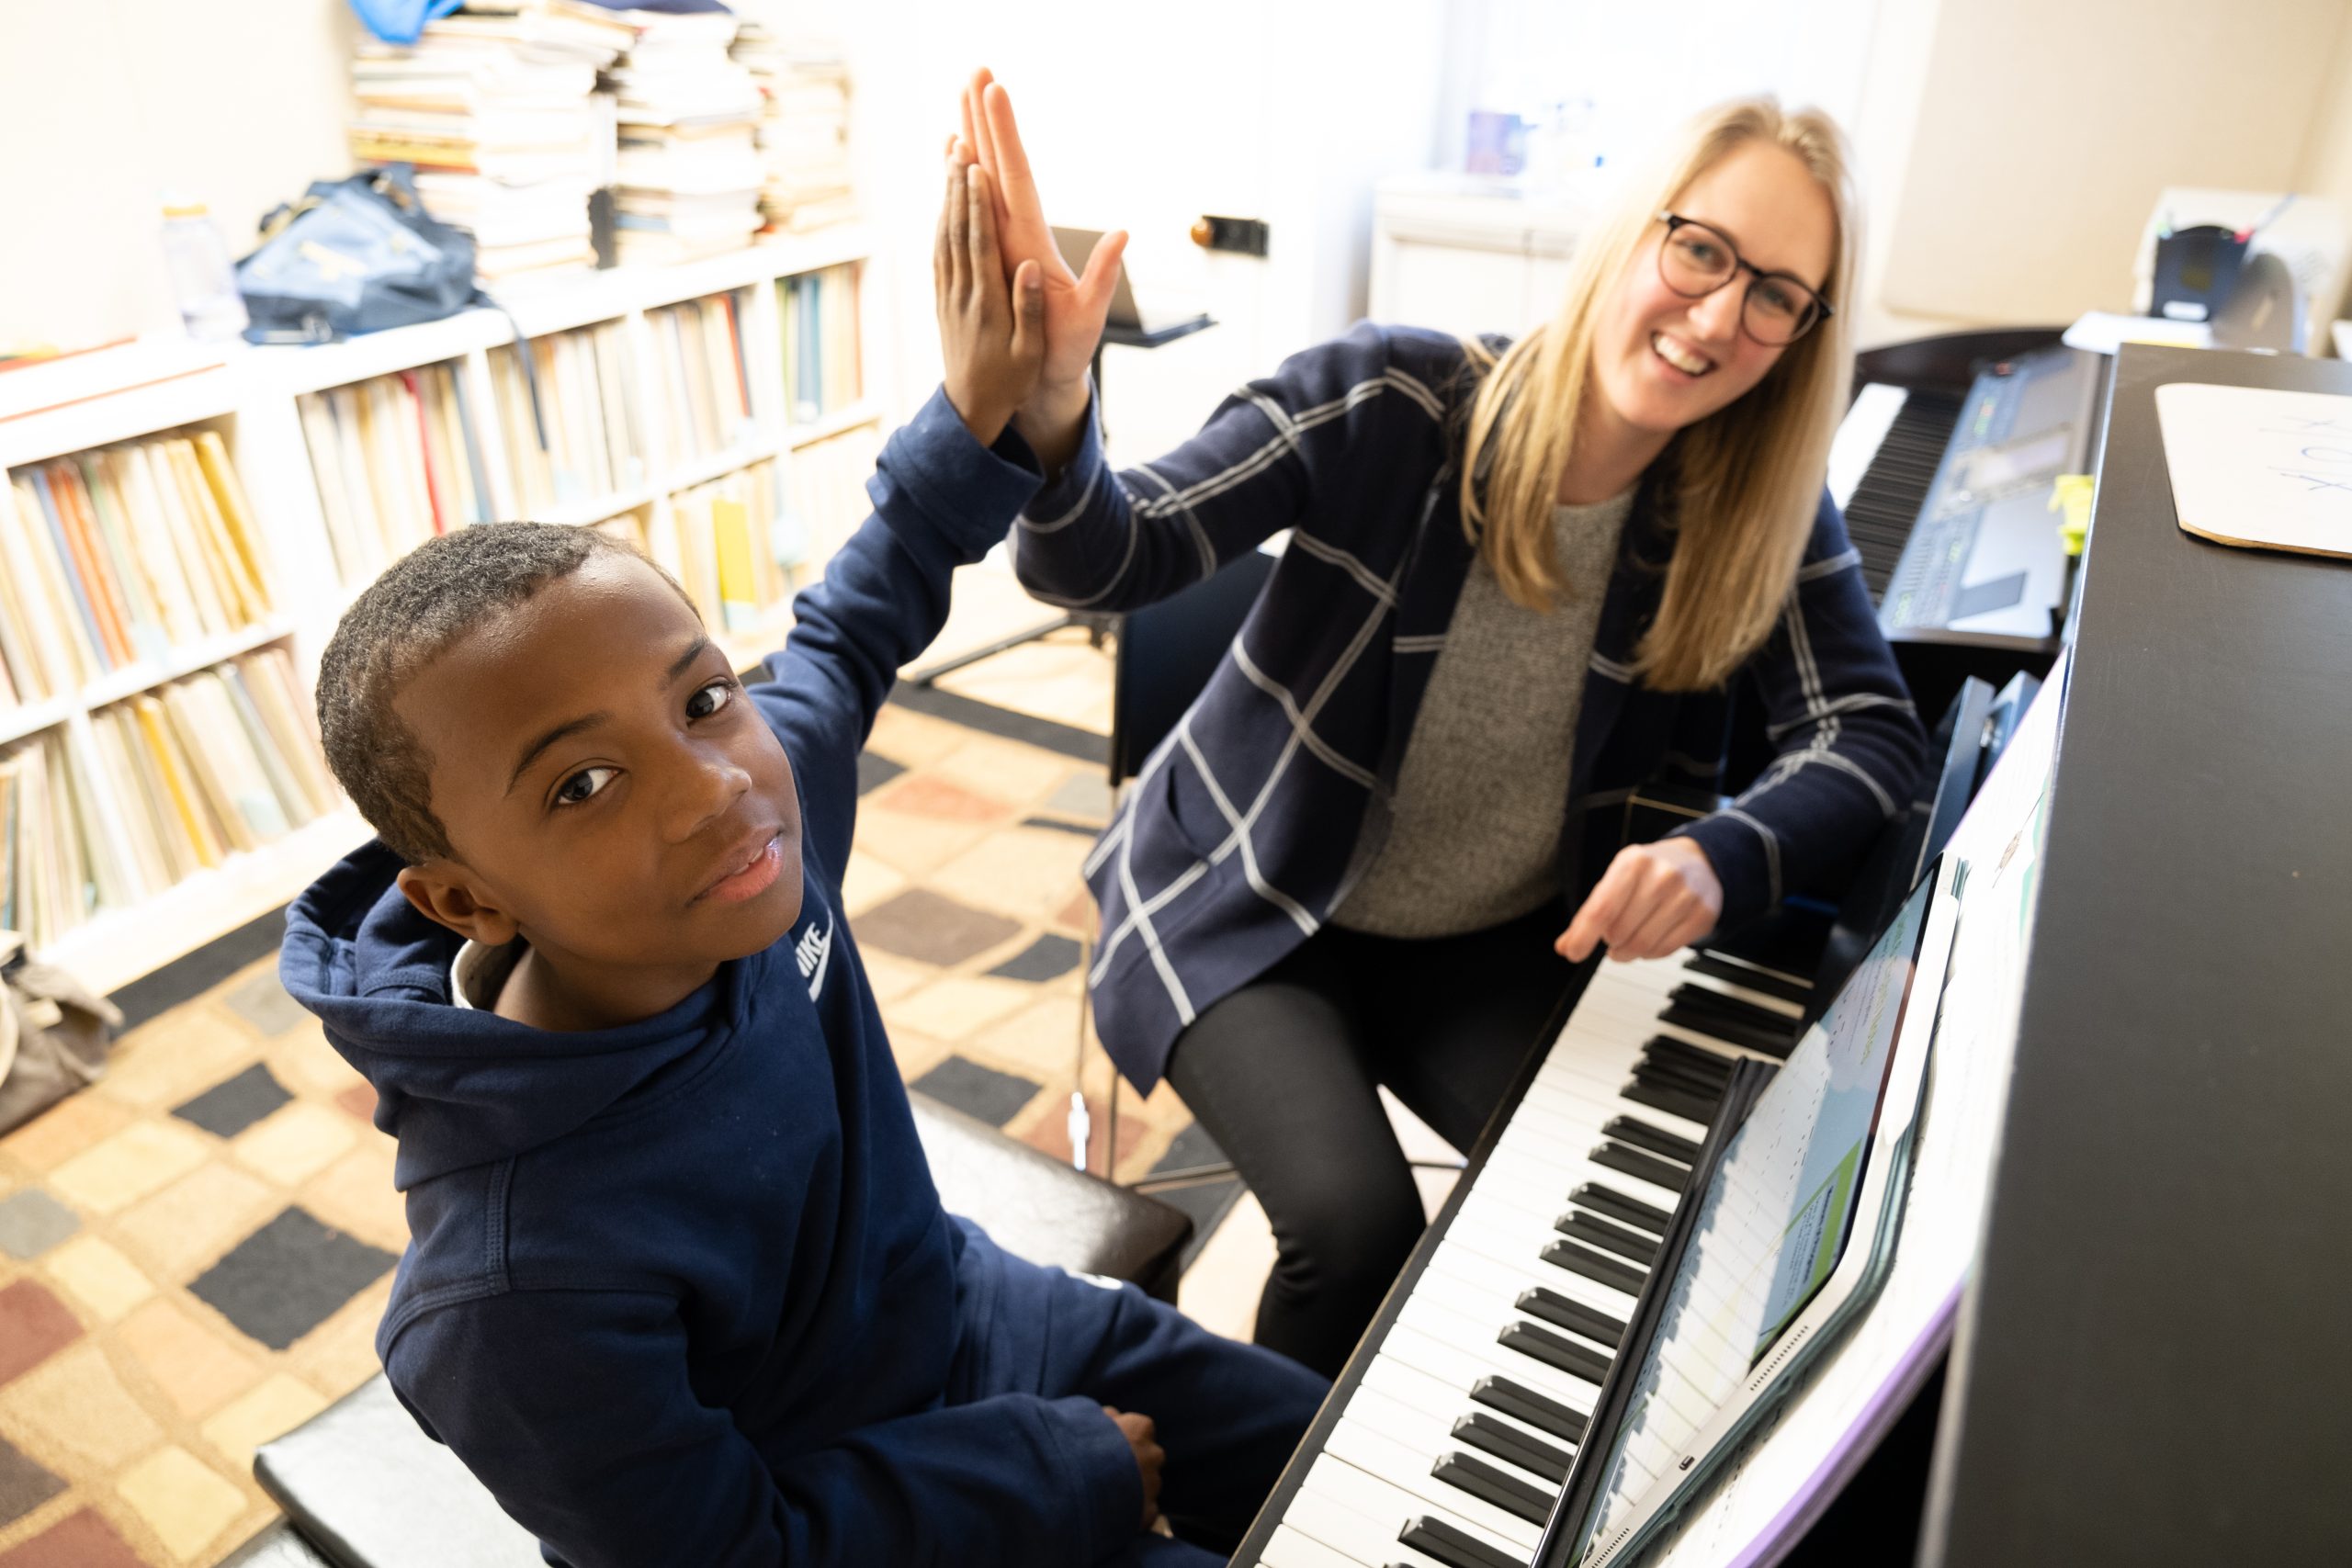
(1473, 835)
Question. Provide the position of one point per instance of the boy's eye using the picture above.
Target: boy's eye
(710, 699)
(582, 785)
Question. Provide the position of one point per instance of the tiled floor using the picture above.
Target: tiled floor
(194, 1252)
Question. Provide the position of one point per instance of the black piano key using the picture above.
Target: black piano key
(1520, 1402)
(1632, 1246)
(1771, 985)
(1454, 1548)
(1673, 1101)
(1661, 1074)
(1715, 1067)
(1658, 1140)
(1484, 1481)
(1598, 1266)
(1544, 1302)
(1775, 1042)
(1506, 1441)
(1555, 1350)
(1617, 1206)
(1706, 998)
(1649, 1167)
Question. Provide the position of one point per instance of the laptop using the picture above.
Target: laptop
(1785, 1236)
(1076, 244)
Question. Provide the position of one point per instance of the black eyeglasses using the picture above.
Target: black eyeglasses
(1696, 260)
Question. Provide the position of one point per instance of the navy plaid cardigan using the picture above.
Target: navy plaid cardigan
(1239, 834)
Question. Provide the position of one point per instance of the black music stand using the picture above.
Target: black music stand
(1098, 626)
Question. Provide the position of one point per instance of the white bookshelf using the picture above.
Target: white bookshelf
(249, 398)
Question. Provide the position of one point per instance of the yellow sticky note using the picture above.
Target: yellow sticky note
(2071, 494)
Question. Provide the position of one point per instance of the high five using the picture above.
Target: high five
(1521, 580)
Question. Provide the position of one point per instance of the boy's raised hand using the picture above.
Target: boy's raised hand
(1075, 303)
(991, 327)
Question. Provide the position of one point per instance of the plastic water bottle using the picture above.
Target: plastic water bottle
(203, 278)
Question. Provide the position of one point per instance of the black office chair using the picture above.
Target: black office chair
(1165, 655)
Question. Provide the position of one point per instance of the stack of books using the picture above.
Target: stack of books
(495, 106)
(113, 558)
(698, 373)
(689, 174)
(398, 460)
(596, 446)
(820, 348)
(165, 785)
(804, 127)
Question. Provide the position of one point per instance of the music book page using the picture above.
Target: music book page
(2260, 468)
(1790, 1472)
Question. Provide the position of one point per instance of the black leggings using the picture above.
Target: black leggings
(1282, 1074)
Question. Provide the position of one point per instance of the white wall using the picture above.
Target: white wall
(1147, 115)
(105, 103)
(2327, 155)
(2043, 133)
(1145, 118)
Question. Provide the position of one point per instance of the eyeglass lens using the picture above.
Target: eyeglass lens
(1696, 261)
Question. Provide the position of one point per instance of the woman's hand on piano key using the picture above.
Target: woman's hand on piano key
(1652, 900)
(1143, 1436)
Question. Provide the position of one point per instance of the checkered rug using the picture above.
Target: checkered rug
(194, 1253)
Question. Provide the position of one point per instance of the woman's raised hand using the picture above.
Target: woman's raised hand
(1075, 303)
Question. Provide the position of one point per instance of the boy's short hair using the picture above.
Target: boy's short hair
(409, 616)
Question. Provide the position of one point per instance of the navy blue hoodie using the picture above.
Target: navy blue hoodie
(682, 1291)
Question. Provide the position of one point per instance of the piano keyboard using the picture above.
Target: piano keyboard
(1448, 1438)
(1903, 435)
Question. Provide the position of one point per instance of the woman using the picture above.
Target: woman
(1519, 582)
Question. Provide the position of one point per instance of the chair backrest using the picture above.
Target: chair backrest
(1167, 652)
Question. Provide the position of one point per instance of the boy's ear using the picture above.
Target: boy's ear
(442, 890)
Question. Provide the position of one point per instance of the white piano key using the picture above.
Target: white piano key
(1476, 1337)
(1430, 1437)
(1503, 1282)
(1440, 1400)
(1489, 1299)
(1477, 1287)
(1289, 1547)
(1512, 1236)
(1372, 1498)
(1438, 1329)
(1363, 1444)
(1562, 1168)
(1861, 433)
(1336, 1519)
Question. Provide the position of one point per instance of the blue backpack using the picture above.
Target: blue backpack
(355, 255)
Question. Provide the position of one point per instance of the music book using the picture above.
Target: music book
(2260, 468)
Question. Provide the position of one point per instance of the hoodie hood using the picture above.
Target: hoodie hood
(458, 1087)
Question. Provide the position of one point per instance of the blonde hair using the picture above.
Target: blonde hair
(1742, 485)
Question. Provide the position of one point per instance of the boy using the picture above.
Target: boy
(679, 1289)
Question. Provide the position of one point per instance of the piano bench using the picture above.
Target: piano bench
(364, 1487)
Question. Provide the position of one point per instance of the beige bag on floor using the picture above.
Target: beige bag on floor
(52, 1035)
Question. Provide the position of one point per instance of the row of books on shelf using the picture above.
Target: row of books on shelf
(156, 788)
(596, 434)
(113, 558)
(742, 544)
(824, 497)
(699, 374)
(397, 458)
(820, 341)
